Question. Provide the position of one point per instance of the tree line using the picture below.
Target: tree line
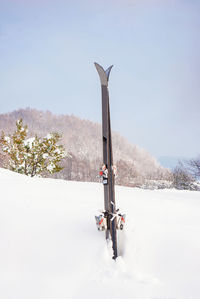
(25, 152)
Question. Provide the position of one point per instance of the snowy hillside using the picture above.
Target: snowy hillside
(83, 140)
(50, 248)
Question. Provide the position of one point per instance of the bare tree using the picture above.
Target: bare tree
(182, 179)
(193, 166)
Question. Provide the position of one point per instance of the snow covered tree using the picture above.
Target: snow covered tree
(32, 156)
(182, 179)
(193, 167)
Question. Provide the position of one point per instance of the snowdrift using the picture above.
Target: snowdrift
(50, 247)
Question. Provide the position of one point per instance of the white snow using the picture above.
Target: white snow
(7, 138)
(46, 155)
(50, 247)
(50, 167)
(49, 136)
(29, 142)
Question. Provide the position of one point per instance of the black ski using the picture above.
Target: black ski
(109, 187)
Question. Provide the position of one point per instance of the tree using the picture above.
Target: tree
(32, 156)
(193, 166)
(182, 179)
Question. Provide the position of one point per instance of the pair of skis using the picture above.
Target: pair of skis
(109, 190)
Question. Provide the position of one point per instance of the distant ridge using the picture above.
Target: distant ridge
(82, 138)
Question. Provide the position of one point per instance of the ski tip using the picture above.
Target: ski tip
(104, 74)
(108, 71)
(98, 66)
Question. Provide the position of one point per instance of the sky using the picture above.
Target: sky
(47, 54)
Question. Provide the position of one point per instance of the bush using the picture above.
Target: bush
(183, 180)
(32, 156)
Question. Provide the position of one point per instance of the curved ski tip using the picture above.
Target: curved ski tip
(109, 68)
(104, 74)
(108, 71)
(98, 66)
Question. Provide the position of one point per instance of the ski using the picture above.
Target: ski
(107, 168)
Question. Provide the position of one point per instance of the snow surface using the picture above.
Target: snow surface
(50, 247)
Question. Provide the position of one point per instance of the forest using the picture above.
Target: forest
(82, 140)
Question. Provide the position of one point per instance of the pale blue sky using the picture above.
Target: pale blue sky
(47, 50)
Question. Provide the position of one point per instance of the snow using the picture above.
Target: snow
(49, 136)
(50, 247)
(29, 142)
(50, 167)
(7, 138)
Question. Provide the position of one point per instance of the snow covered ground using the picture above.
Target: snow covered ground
(50, 247)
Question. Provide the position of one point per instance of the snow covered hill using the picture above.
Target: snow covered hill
(50, 248)
(83, 140)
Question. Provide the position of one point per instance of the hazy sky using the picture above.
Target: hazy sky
(47, 50)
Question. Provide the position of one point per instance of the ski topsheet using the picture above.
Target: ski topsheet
(109, 181)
